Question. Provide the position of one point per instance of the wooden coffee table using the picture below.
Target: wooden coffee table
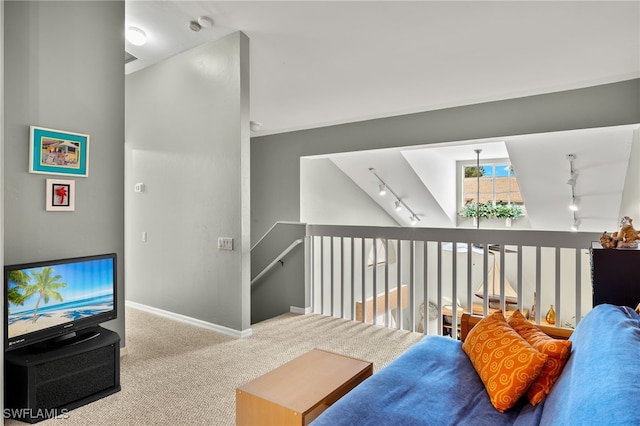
(298, 391)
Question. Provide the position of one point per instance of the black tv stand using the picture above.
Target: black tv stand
(71, 338)
(43, 381)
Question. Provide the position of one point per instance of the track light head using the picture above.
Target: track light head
(575, 226)
(573, 179)
(382, 189)
(398, 206)
(574, 205)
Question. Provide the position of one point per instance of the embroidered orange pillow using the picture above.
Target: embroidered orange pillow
(557, 350)
(505, 362)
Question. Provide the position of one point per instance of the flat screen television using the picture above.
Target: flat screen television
(55, 300)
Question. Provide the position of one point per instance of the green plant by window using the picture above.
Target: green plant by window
(473, 171)
(476, 210)
(507, 211)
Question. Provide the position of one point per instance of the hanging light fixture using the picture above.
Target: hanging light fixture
(399, 204)
(478, 151)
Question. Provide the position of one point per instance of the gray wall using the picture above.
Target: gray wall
(275, 167)
(187, 140)
(277, 290)
(63, 69)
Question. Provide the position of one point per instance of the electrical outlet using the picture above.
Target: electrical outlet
(225, 243)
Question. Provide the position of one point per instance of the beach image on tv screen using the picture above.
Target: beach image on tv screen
(47, 296)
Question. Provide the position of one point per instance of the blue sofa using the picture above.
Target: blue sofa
(434, 383)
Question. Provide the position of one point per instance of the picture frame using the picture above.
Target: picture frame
(58, 152)
(60, 195)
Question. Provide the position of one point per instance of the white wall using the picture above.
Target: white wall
(631, 193)
(187, 140)
(328, 196)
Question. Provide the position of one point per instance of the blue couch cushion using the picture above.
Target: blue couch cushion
(600, 384)
(432, 383)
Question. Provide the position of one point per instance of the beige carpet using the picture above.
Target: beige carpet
(177, 374)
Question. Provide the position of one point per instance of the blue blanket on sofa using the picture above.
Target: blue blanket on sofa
(434, 383)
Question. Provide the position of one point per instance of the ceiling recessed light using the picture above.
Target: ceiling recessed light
(136, 36)
(205, 22)
(194, 26)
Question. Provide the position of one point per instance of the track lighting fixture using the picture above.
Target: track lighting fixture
(574, 205)
(573, 178)
(399, 204)
(575, 226)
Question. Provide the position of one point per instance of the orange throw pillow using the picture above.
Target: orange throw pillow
(505, 362)
(558, 352)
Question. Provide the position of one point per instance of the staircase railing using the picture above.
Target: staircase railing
(276, 290)
(277, 260)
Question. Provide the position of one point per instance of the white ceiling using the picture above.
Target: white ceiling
(321, 63)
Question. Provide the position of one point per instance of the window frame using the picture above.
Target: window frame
(493, 162)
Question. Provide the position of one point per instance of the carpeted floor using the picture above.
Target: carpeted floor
(178, 374)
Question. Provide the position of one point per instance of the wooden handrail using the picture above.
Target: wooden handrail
(468, 321)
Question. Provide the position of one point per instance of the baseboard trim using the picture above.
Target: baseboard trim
(301, 311)
(189, 320)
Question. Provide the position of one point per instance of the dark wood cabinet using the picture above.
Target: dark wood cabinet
(44, 382)
(615, 276)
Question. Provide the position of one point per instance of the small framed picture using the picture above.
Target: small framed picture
(61, 195)
(57, 152)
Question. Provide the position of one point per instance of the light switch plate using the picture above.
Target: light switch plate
(225, 243)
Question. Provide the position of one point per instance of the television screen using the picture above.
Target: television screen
(50, 299)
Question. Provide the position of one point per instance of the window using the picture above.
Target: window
(497, 183)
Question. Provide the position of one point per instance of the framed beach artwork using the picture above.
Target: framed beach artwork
(61, 195)
(58, 152)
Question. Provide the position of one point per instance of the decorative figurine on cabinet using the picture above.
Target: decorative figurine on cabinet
(626, 237)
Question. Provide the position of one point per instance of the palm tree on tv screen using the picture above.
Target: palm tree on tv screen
(45, 285)
(18, 280)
